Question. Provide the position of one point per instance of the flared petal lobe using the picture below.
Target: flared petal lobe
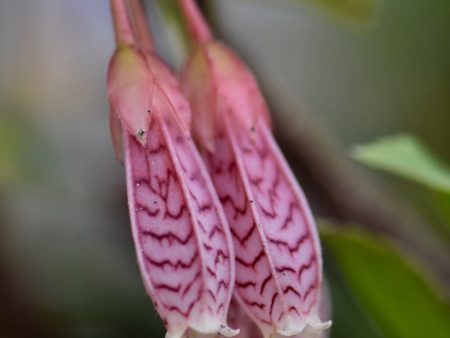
(238, 317)
(278, 254)
(182, 239)
(130, 90)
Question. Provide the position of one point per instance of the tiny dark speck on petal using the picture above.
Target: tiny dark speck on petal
(140, 133)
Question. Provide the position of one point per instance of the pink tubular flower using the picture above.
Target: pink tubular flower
(182, 240)
(278, 254)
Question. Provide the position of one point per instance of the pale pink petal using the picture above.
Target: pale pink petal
(182, 241)
(278, 257)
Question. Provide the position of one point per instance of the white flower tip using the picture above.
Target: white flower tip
(227, 331)
(171, 333)
(290, 326)
(212, 329)
(319, 325)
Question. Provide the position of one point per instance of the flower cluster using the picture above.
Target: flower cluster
(218, 218)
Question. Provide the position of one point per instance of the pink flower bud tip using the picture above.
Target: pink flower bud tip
(215, 74)
(130, 88)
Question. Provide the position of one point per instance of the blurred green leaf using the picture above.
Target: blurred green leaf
(395, 294)
(23, 156)
(406, 156)
(12, 144)
(171, 11)
(175, 28)
(349, 318)
(442, 204)
(360, 11)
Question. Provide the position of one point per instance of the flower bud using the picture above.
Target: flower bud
(216, 75)
(130, 90)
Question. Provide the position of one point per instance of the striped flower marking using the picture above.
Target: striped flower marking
(182, 243)
(278, 254)
(182, 240)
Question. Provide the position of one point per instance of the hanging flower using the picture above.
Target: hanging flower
(278, 254)
(183, 243)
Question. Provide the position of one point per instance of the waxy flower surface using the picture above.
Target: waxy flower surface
(278, 254)
(182, 239)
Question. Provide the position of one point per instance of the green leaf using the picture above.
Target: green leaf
(358, 11)
(350, 320)
(394, 293)
(404, 155)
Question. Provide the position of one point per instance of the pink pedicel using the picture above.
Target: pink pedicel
(278, 254)
(182, 240)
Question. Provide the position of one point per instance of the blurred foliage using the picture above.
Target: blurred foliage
(171, 13)
(21, 150)
(12, 150)
(350, 320)
(406, 156)
(175, 31)
(356, 11)
(392, 291)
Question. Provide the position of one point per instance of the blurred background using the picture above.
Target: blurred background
(360, 95)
